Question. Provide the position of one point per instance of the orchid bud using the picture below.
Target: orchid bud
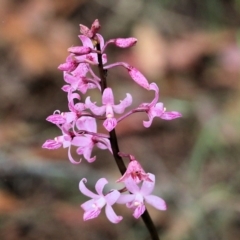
(125, 42)
(84, 30)
(138, 77)
(95, 27)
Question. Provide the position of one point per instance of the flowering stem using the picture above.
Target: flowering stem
(115, 148)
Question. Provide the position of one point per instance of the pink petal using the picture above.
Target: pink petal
(126, 102)
(125, 42)
(110, 124)
(107, 97)
(138, 77)
(170, 115)
(87, 123)
(147, 186)
(156, 202)
(81, 70)
(81, 50)
(88, 205)
(51, 144)
(111, 215)
(86, 41)
(100, 185)
(85, 31)
(95, 109)
(131, 185)
(148, 123)
(100, 39)
(83, 189)
(95, 27)
(125, 198)
(81, 141)
(56, 119)
(87, 151)
(112, 197)
(154, 87)
(139, 211)
(91, 214)
(104, 58)
(66, 88)
(71, 158)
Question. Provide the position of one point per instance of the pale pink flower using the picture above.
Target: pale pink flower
(109, 107)
(92, 31)
(156, 109)
(78, 79)
(136, 200)
(93, 207)
(70, 64)
(134, 171)
(64, 141)
(91, 58)
(85, 142)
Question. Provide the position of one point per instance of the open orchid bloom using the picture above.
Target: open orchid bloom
(93, 207)
(136, 200)
(134, 171)
(86, 142)
(156, 109)
(109, 107)
(92, 57)
(77, 79)
(65, 141)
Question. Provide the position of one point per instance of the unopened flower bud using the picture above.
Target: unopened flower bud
(84, 30)
(95, 27)
(138, 77)
(125, 42)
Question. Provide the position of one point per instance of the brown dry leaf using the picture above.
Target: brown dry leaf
(8, 203)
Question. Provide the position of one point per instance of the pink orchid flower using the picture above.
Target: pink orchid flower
(134, 171)
(136, 200)
(86, 142)
(64, 141)
(91, 58)
(78, 79)
(66, 118)
(109, 107)
(92, 31)
(156, 109)
(70, 64)
(93, 207)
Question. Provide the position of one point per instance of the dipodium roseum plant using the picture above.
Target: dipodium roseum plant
(78, 126)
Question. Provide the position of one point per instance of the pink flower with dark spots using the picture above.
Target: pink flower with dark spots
(136, 172)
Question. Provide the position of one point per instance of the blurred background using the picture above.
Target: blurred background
(191, 49)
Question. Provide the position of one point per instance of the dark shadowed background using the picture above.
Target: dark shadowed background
(191, 50)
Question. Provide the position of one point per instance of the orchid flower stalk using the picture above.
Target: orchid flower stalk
(78, 127)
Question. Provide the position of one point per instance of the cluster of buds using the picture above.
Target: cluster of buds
(78, 126)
